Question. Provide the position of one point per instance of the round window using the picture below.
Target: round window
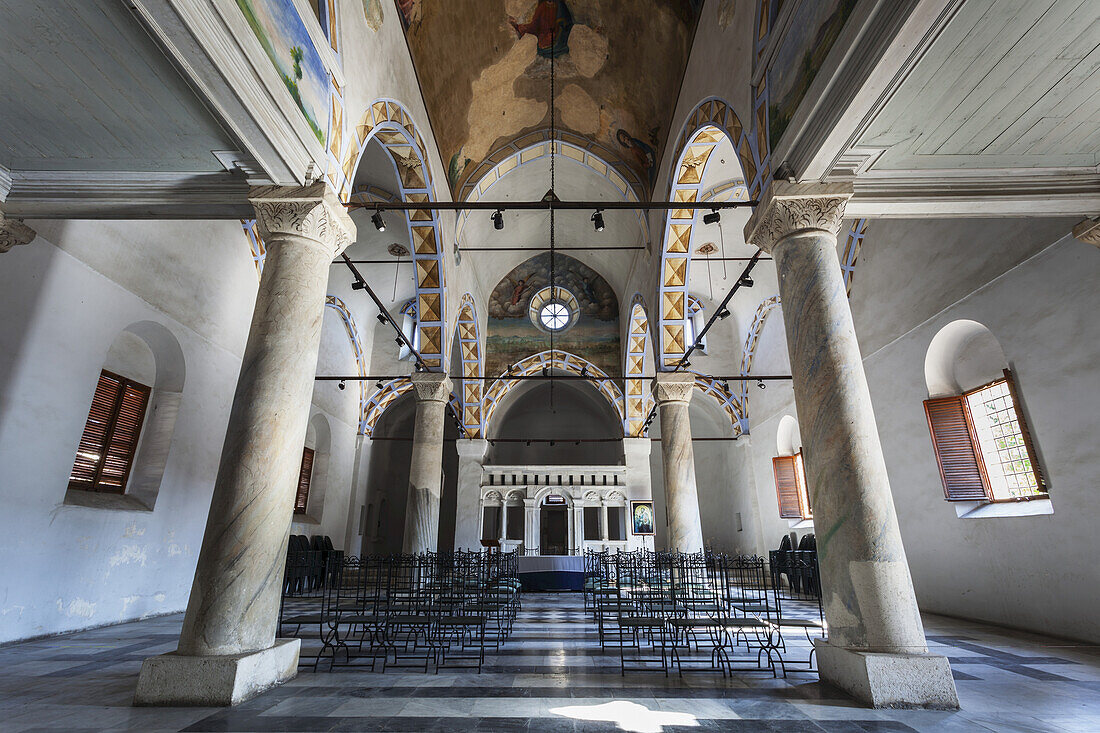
(554, 316)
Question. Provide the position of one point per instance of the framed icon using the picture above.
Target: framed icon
(641, 517)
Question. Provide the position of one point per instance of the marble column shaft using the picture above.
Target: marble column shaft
(869, 599)
(685, 529)
(426, 468)
(234, 603)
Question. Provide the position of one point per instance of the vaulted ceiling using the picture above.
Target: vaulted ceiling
(484, 67)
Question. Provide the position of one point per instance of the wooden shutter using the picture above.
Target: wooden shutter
(106, 451)
(786, 486)
(957, 452)
(304, 475)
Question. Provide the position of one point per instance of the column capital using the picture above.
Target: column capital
(473, 448)
(788, 208)
(431, 386)
(673, 386)
(313, 212)
(13, 232)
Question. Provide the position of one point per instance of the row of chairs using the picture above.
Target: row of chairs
(441, 609)
(701, 611)
(306, 560)
(796, 566)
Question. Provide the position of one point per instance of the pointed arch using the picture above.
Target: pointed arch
(382, 399)
(749, 351)
(720, 393)
(352, 331)
(706, 126)
(473, 367)
(557, 359)
(390, 124)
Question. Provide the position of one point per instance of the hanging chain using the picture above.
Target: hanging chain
(553, 181)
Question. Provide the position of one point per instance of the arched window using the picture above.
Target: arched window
(979, 435)
(791, 491)
(123, 450)
(695, 324)
(408, 328)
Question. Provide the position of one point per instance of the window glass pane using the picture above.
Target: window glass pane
(616, 527)
(515, 522)
(1004, 453)
(592, 523)
(490, 528)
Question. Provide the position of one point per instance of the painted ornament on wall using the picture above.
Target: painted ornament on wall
(285, 39)
(809, 37)
(593, 330)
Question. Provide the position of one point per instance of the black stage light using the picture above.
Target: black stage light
(498, 219)
(378, 221)
(712, 218)
(597, 221)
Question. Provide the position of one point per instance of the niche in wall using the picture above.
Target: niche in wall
(148, 353)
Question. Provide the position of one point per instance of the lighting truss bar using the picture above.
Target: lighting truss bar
(563, 441)
(720, 309)
(542, 205)
(566, 377)
(556, 248)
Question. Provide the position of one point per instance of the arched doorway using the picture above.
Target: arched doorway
(554, 525)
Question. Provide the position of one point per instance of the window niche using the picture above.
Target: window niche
(791, 490)
(312, 484)
(987, 461)
(145, 355)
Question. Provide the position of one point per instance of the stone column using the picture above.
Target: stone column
(471, 458)
(426, 469)
(604, 532)
(876, 648)
(14, 232)
(531, 536)
(673, 392)
(227, 650)
(503, 520)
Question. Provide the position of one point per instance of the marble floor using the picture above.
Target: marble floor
(551, 676)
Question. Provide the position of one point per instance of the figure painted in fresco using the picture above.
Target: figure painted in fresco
(588, 291)
(550, 24)
(642, 152)
(518, 288)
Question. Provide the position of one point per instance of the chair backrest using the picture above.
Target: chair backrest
(785, 543)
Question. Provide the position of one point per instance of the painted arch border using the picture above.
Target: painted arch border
(705, 126)
(390, 123)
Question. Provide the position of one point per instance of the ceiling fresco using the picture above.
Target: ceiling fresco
(618, 63)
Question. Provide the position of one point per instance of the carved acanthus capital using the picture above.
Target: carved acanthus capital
(1088, 231)
(13, 232)
(673, 386)
(313, 212)
(788, 208)
(431, 386)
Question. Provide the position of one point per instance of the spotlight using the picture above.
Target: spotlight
(378, 384)
(724, 314)
(552, 444)
(358, 285)
(342, 385)
(498, 219)
(760, 384)
(597, 220)
(378, 221)
(381, 318)
(712, 218)
(687, 364)
(399, 342)
(746, 281)
(546, 371)
(584, 371)
(528, 444)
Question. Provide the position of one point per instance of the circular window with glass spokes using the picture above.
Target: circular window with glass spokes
(554, 316)
(554, 310)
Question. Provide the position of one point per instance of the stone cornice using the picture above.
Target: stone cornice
(788, 208)
(431, 386)
(673, 386)
(13, 232)
(312, 212)
(1088, 231)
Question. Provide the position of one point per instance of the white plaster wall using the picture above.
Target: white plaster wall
(78, 566)
(1040, 300)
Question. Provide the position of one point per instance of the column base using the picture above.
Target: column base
(884, 680)
(175, 680)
